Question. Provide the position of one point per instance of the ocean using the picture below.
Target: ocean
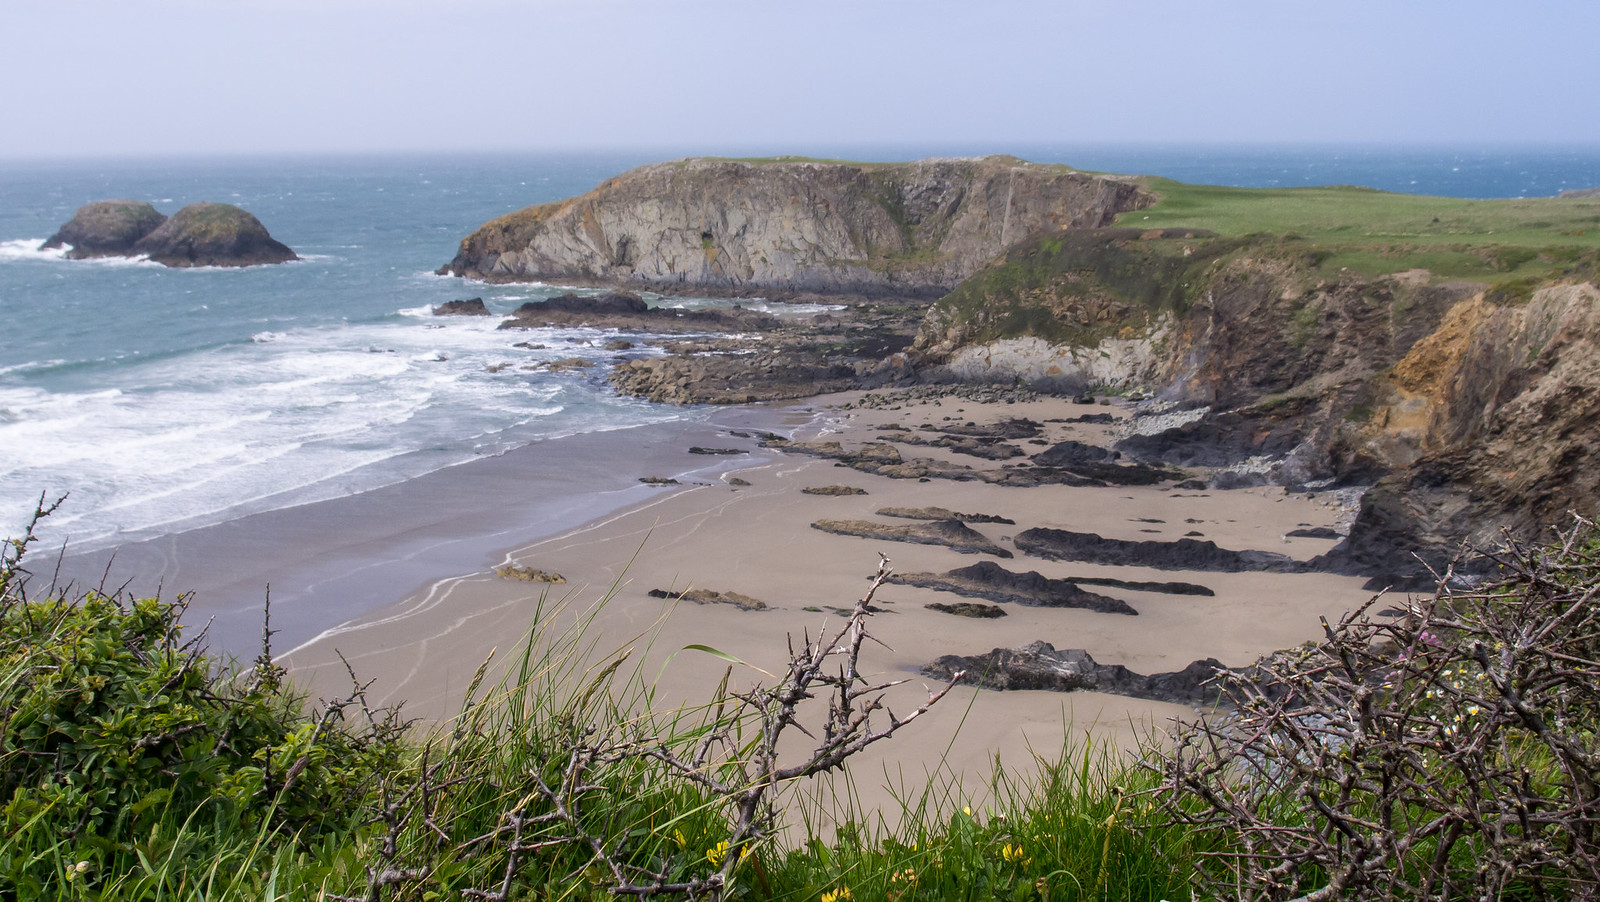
(160, 400)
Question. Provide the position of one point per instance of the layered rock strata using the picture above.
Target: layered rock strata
(785, 227)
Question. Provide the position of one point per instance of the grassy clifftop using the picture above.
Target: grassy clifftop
(1377, 232)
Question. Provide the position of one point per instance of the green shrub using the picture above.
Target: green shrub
(128, 756)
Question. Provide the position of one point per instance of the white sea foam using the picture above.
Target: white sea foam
(291, 416)
(29, 249)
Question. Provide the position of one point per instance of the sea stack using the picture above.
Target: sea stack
(107, 228)
(207, 234)
(203, 234)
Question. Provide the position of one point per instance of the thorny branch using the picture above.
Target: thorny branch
(566, 799)
(1442, 750)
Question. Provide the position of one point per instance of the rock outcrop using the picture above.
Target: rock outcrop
(781, 227)
(467, 307)
(952, 534)
(208, 234)
(993, 582)
(107, 228)
(1041, 666)
(1470, 406)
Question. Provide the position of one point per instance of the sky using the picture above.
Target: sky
(158, 77)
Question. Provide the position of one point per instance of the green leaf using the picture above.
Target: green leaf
(731, 659)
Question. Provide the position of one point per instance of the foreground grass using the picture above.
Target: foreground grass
(135, 767)
(1446, 754)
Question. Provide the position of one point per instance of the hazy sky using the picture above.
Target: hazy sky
(102, 77)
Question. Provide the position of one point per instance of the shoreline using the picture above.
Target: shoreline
(757, 540)
(327, 562)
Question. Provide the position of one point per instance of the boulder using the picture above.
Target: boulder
(107, 228)
(468, 307)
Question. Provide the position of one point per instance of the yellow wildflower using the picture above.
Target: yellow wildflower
(1013, 853)
(717, 853)
(842, 894)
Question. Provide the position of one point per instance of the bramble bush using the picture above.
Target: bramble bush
(1443, 750)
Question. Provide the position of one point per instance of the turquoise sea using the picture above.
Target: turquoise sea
(162, 400)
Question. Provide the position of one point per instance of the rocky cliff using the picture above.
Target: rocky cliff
(784, 227)
(1473, 408)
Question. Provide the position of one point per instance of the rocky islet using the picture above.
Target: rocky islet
(200, 234)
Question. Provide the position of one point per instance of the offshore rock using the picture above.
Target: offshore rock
(467, 307)
(208, 234)
(107, 228)
(784, 226)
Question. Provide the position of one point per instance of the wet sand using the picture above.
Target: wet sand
(757, 540)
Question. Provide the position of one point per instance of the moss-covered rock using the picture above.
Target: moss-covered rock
(208, 234)
(106, 228)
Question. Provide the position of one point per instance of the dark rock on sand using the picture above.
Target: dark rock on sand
(657, 480)
(528, 574)
(466, 307)
(968, 609)
(1105, 419)
(1010, 429)
(832, 490)
(986, 448)
(1180, 554)
(939, 513)
(991, 581)
(1316, 532)
(696, 449)
(207, 234)
(709, 596)
(1166, 588)
(1041, 666)
(107, 228)
(951, 533)
(1070, 453)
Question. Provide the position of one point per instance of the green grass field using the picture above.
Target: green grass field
(1374, 232)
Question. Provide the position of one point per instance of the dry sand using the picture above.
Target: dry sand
(757, 540)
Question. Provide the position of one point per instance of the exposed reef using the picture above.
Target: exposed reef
(951, 533)
(1179, 554)
(992, 582)
(1041, 666)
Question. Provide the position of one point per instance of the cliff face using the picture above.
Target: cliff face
(785, 227)
(1472, 410)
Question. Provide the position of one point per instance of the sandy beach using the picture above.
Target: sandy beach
(711, 532)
